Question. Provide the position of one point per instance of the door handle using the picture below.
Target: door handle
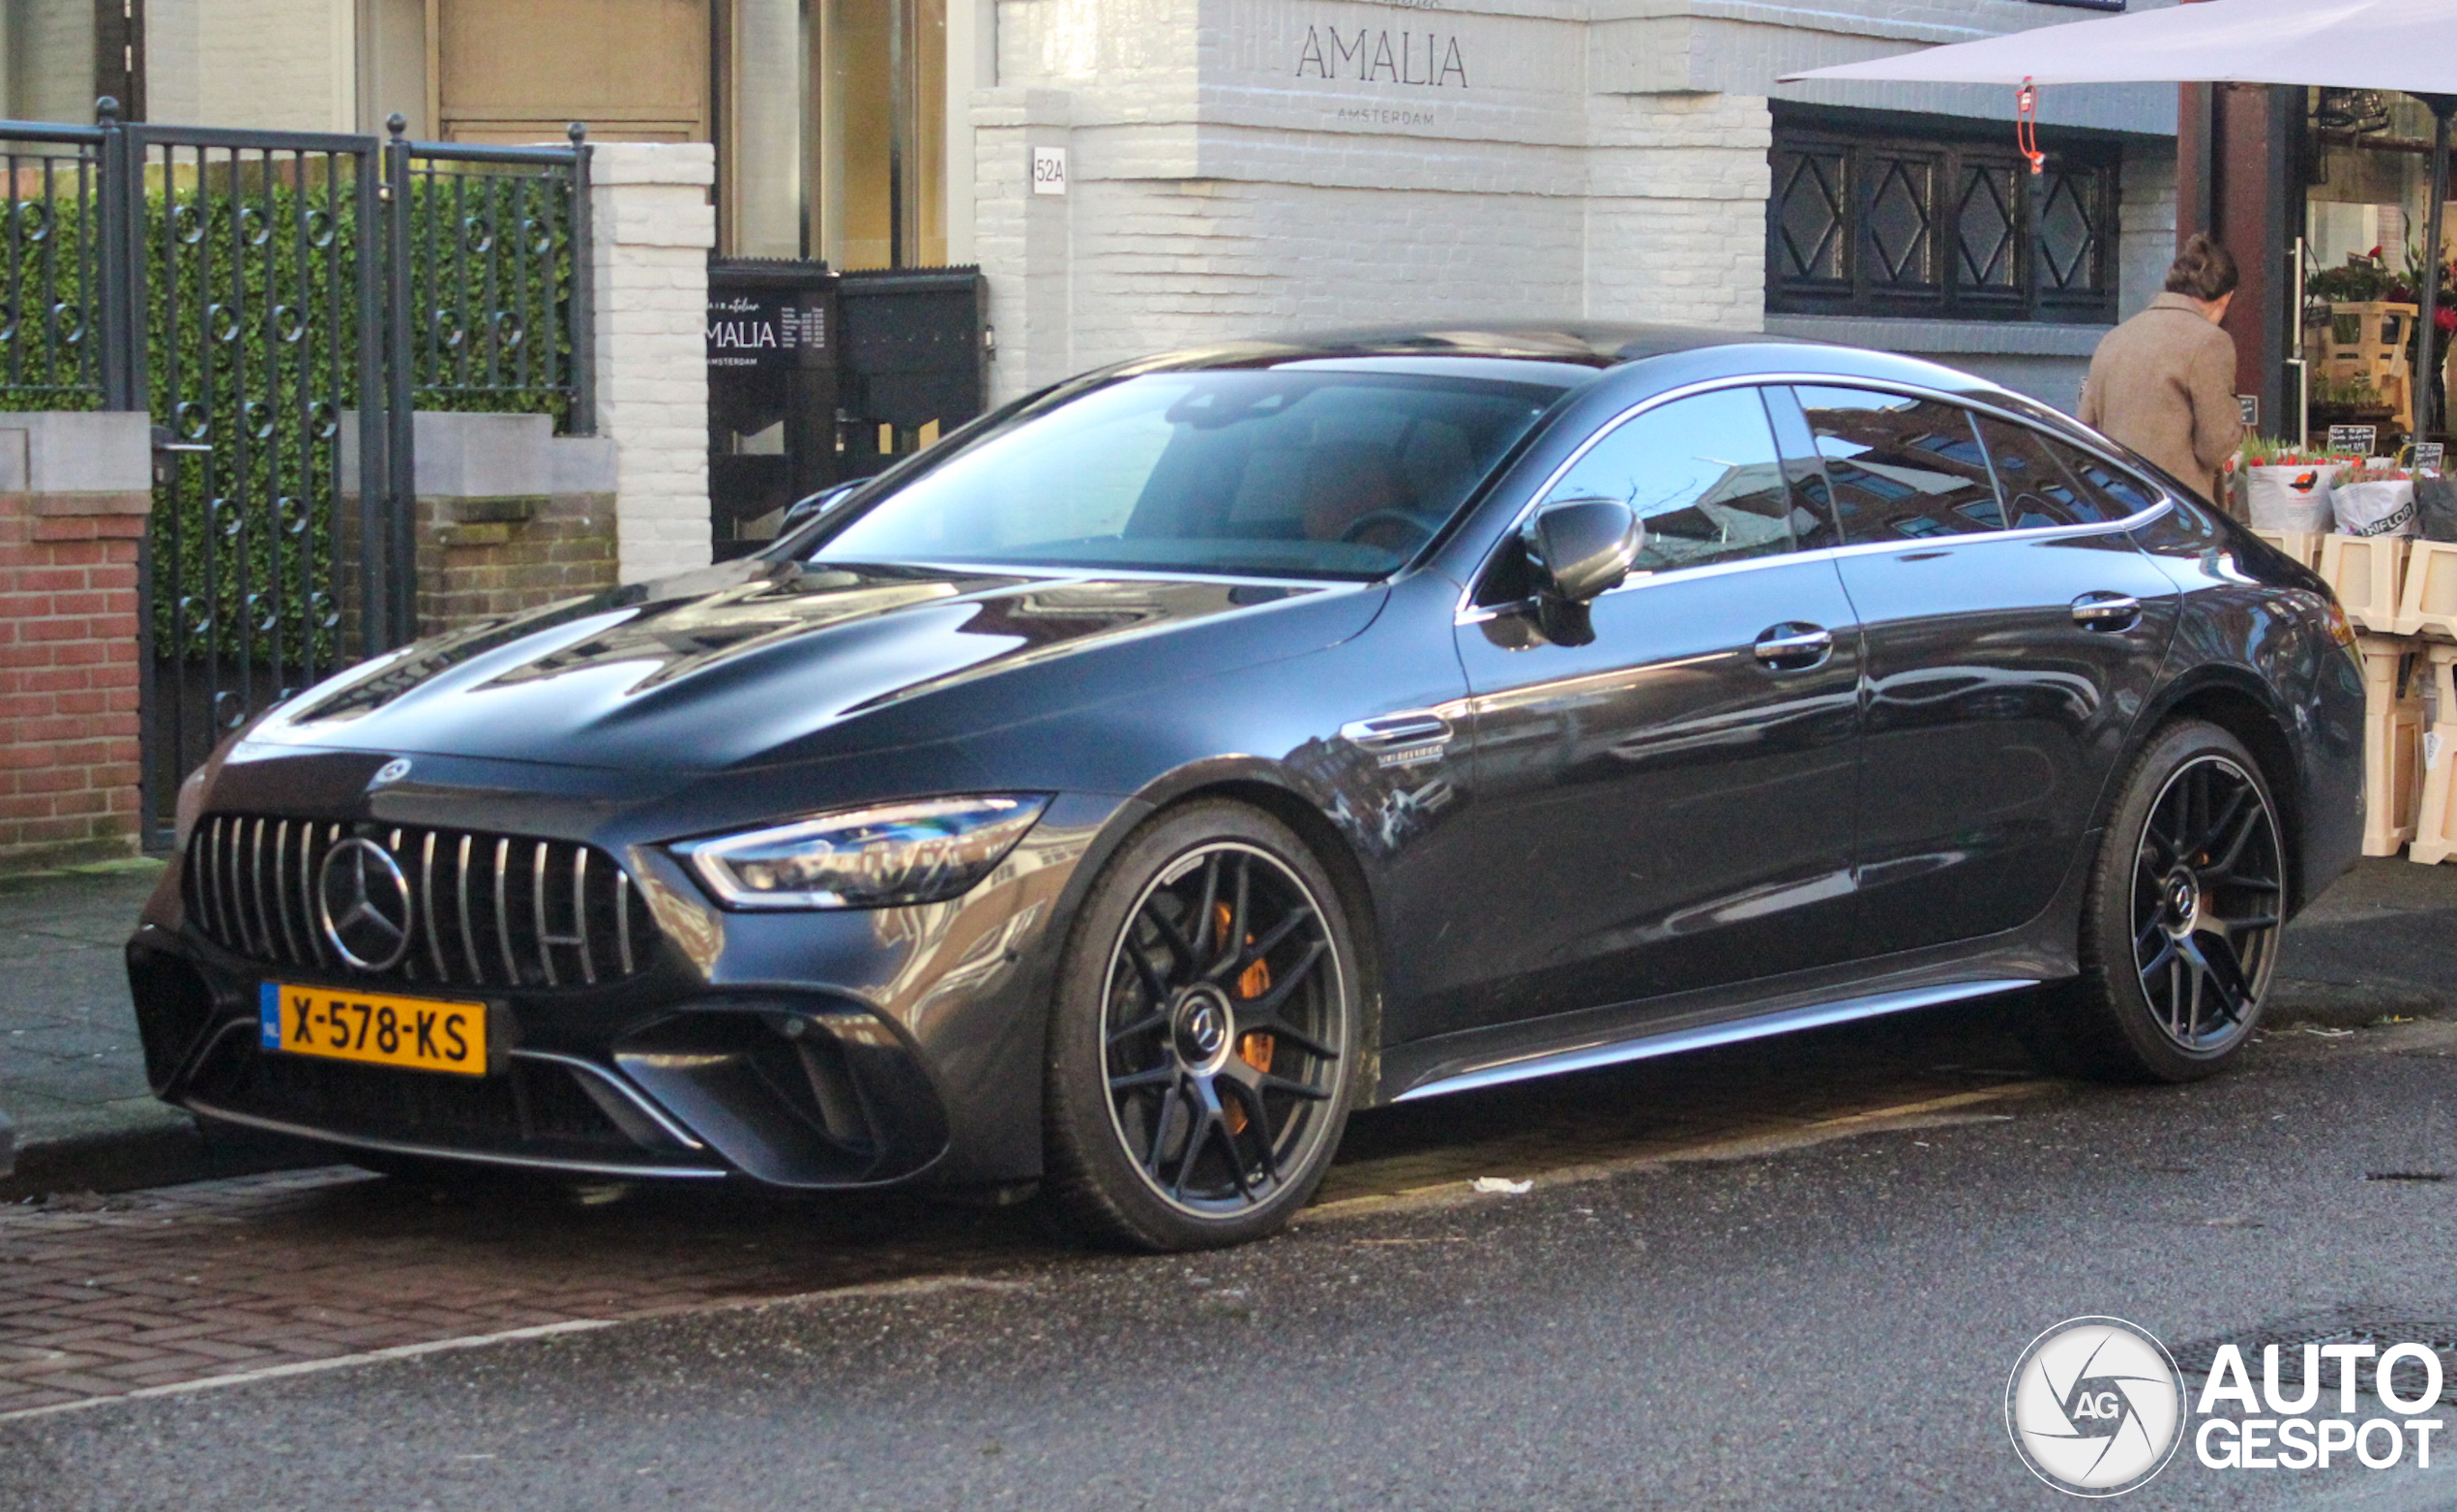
(2107, 611)
(1793, 647)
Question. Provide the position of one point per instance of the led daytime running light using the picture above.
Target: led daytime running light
(926, 851)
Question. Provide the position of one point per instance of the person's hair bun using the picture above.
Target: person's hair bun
(2203, 270)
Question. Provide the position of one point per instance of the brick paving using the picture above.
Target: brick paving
(101, 1297)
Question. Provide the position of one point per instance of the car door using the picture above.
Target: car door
(1668, 805)
(2012, 631)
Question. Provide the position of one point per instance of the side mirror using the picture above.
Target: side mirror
(1582, 548)
(1578, 548)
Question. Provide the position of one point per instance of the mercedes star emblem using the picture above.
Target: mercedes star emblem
(391, 771)
(362, 900)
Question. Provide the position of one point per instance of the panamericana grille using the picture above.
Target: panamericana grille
(486, 910)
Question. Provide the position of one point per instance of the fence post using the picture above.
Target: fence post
(120, 283)
(397, 529)
(649, 249)
(582, 313)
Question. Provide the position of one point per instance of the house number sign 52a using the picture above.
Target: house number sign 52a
(1048, 170)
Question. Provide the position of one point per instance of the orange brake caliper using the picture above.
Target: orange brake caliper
(1254, 1049)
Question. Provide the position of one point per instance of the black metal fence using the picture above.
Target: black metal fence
(260, 294)
(252, 296)
(50, 267)
(495, 245)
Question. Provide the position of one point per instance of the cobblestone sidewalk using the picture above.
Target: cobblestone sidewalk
(70, 1064)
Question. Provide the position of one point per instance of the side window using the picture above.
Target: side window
(1902, 468)
(2119, 495)
(1704, 475)
(2037, 490)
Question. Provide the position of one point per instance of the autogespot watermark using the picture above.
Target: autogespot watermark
(2096, 1407)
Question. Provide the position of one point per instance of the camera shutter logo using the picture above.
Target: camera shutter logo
(2095, 1406)
(362, 898)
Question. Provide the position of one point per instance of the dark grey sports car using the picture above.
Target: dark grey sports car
(1116, 794)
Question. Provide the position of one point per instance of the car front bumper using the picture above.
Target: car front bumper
(810, 1050)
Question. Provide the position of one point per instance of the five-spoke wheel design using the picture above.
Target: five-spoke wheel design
(2207, 898)
(1225, 1010)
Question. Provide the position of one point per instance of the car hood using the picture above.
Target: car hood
(759, 662)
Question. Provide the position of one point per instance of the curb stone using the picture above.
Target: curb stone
(157, 1155)
(2351, 1005)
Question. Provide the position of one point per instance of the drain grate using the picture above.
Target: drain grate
(2437, 1335)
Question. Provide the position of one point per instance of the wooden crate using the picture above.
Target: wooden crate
(2428, 604)
(2368, 341)
(2393, 672)
(2435, 816)
(2366, 573)
(2304, 546)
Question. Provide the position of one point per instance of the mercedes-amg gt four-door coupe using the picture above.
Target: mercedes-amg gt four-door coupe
(1113, 796)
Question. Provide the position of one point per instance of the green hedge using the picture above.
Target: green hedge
(253, 349)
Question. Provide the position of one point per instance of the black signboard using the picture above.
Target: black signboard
(772, 390)
(815, 376)
(768, 329)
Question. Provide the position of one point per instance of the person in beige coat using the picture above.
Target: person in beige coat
(2164, 382)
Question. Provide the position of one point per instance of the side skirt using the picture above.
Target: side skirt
(1674, 1042)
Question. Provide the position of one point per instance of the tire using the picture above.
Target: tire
(2181, 926)
(1199, 1079)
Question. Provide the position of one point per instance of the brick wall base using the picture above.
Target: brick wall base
(68, 676)
(482, 557)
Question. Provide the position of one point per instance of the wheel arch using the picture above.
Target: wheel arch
(1262, 786)
(2245, 713)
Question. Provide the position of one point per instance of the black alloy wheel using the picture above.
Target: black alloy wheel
(1204, 1040)
(2206, 899)
(2180, 928)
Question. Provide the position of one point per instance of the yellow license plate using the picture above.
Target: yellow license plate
(421, 1033)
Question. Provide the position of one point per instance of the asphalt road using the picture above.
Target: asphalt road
(1775, 1276)
(1827, 1326)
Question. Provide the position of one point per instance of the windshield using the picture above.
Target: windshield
(1260, 473)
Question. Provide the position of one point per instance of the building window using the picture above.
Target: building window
(1939, 228)
(833, 131)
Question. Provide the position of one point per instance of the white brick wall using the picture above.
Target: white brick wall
(1604, 159)
(252, 64)
(1675, 218)
(1218, 193)
(46, 61)
(652, 226)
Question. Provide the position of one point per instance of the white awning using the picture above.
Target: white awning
(2389, 44)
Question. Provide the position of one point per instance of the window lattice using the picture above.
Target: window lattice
(1866, 225)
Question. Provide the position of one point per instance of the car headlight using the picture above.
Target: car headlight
(925, 851)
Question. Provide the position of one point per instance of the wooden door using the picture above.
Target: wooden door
(521, 71)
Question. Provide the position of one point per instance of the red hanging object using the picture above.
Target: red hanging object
(2025, 126)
